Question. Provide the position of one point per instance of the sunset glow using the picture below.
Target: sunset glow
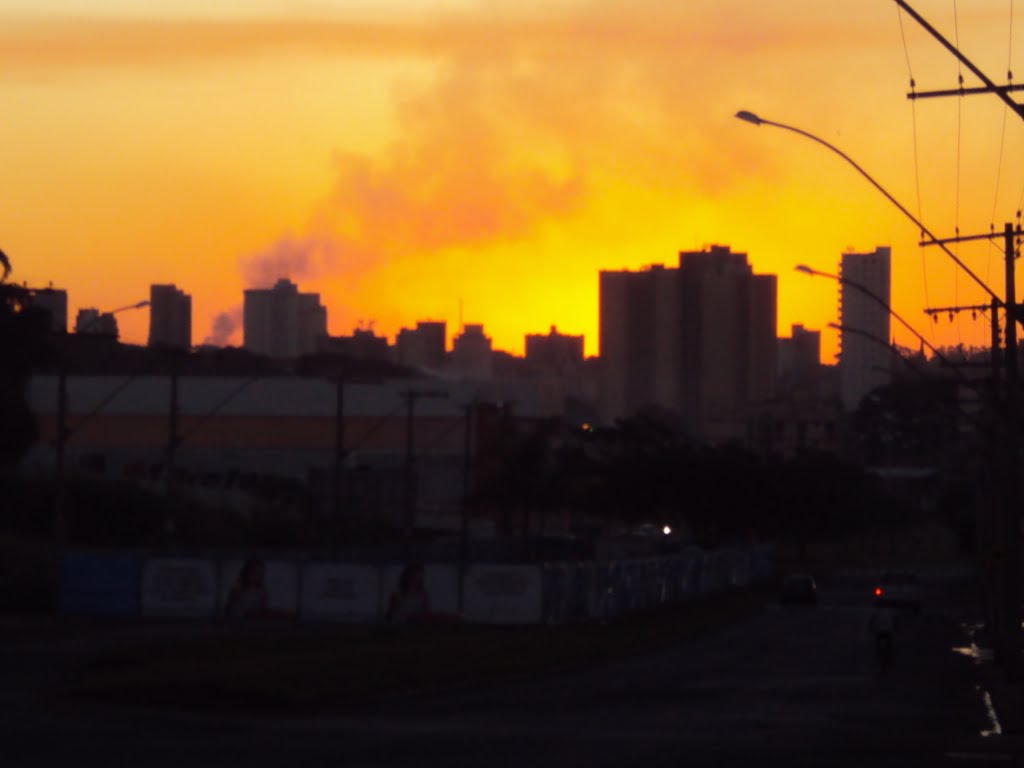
(405, 158)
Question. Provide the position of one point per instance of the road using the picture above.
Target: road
(787, 686)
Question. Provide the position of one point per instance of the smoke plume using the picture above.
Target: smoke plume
(224, 327)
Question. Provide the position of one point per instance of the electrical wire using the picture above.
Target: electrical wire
(1002, 146)
(917, 165)
(959, 154)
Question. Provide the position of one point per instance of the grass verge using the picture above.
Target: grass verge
(317, 669)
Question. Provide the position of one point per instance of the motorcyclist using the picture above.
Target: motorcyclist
(883, 626)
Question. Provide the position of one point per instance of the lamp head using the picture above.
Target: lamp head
(749, 117)
(804, 268)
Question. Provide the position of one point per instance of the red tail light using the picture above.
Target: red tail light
(878, 591)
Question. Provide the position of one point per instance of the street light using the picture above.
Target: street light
(136, 305)
(750, 117)
(803, 268)
(412, 396)
(1011, 624)
(879, 341)
(903, 359)
(62, 436)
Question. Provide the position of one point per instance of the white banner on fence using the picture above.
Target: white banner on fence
(504, 594)
(340, 592)
(259, 589)
(179, 587)
(419, 592)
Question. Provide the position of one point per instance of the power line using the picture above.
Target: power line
(917, 162)
(959, 156)
(1002, 146)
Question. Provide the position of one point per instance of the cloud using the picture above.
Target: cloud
(452, 179)
(294, 258)
(598, 29)
(528, 118)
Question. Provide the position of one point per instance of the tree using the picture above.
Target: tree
(23, 347)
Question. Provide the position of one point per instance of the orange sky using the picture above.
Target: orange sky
(403, 156)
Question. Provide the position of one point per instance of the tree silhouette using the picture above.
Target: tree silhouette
(23, 347)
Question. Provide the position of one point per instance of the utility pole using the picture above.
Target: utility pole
(173, 440)
(1011, 454)
(1010, 443)
(63, 434)
(60, 483)
(1008, 614)
(1007, 558)
(410, 490)
(339, 449)
(467, 490)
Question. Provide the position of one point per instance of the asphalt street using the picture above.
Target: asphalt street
(789, 686)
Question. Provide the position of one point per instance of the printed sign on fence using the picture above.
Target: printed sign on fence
(504, 594)
(412, 593)
(179, 587)
(340, 592)
(259, 589)
(99, 584)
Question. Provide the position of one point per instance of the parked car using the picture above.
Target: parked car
(898, 589)
(800, 589)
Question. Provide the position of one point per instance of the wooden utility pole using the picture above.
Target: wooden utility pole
(1011, 457)
(467, 491)
(1009, 634)
(339, 450)
(173, 440)
(410, 485)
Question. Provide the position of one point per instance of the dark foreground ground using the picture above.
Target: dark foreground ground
(778, 686)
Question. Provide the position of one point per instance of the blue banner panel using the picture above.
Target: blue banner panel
(99, 584)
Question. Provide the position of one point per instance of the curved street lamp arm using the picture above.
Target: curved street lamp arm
(880, 188)
(888, 308)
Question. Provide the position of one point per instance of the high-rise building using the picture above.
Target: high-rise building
(281, 322)
(424, 346)
(53, 301)
(554, 352)
(90, 320)
(865, 358)
(170, 317)
(698, 340)
(799, 361)
(472, 355)
(363, 344)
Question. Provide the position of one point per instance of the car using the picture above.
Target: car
(800, 589)
(898, 589)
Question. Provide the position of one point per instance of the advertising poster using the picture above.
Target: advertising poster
(415, 593)
(259, 589)
(99, 584)
(504, 594)
(179, 587)
(338, 592)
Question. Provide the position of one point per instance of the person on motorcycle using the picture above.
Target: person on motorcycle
(883, 626)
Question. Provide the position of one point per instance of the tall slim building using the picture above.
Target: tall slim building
(424, 346)
(698, 340)
(170, 317)
(554, 352)
(865, 358)
(91, 320)
(54, 301)
(799, 360)
(281, 322)
(472, 355)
